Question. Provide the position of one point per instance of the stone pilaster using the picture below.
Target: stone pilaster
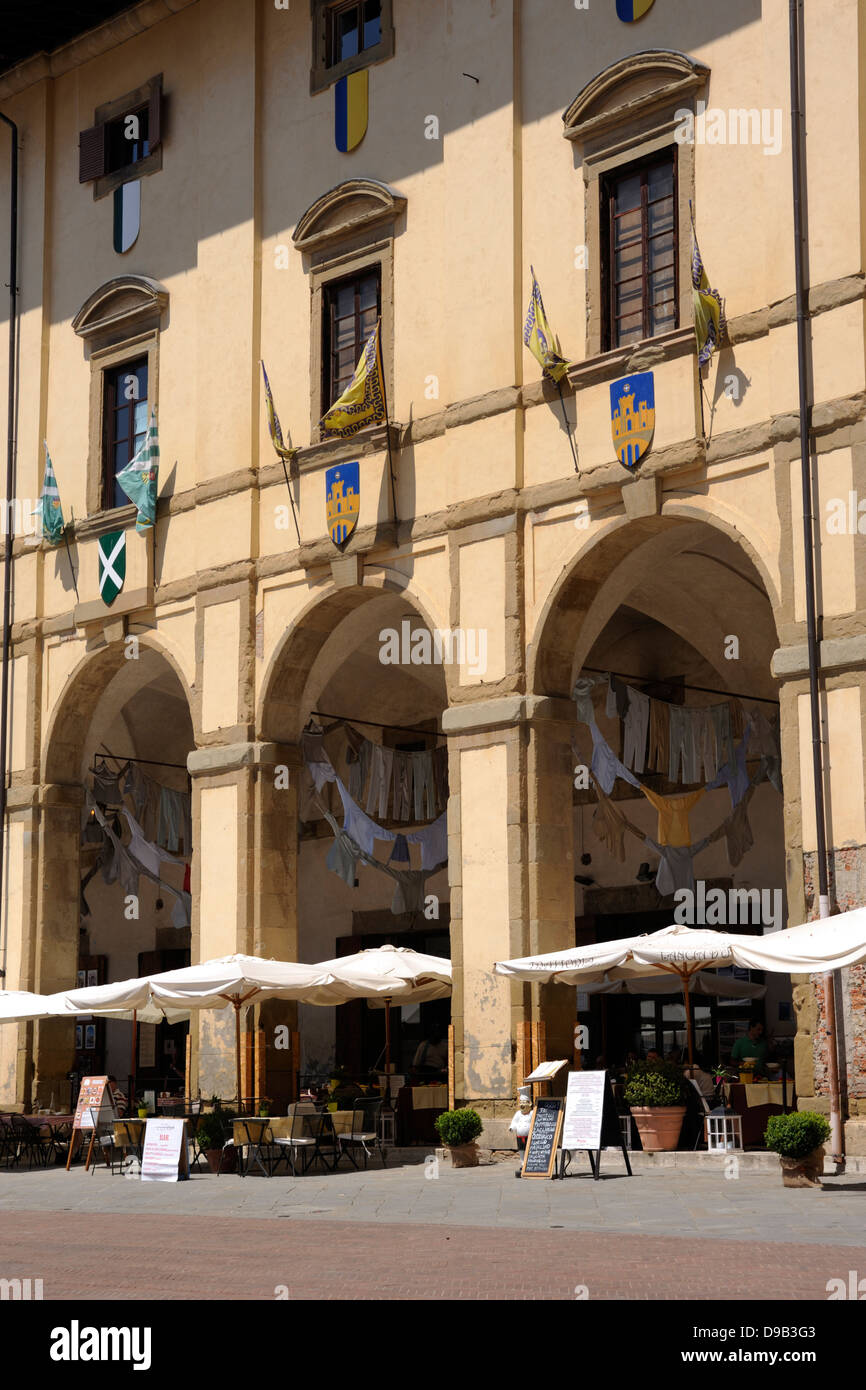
(244, 877)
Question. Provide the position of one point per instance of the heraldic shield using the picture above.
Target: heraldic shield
(632, 416)
(342, 500)
(111, 549)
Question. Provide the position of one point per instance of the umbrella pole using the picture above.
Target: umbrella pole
(685, 979)
(237, 1009)
(388, 1051)
(130, 1105)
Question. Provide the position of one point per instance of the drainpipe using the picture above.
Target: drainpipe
(10, 485)
(836, 1130)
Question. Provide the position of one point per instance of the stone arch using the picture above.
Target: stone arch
(69, 723)
(609, 570)
(280, 712)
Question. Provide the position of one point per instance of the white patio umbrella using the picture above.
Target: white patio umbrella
(683, 951)
(386, 974)
(712, 986)
(237, 980)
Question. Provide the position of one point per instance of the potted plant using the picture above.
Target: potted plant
(458, 1130)
(655, 1093)
(747, 1067)
(798, 1139)
(143, 1112)
(264, 1110)
(210, 1137)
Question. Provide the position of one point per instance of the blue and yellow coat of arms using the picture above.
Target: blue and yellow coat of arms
(342, 500)
(632, 416)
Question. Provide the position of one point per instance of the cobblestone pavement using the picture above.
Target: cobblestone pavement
(190, 1257)
(662, 1234)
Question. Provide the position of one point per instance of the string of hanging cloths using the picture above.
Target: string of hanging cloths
(687, 744)
(407, 782)
(159, 823)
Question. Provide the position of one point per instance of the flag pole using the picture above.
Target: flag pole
(71, 566)
(567, 426)
(291, 497)
(387, 427)
(280, 456)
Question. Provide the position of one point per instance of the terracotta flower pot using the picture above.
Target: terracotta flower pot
(464, 1155)
(803, 1172)
(658, 1126)
(213, 1157)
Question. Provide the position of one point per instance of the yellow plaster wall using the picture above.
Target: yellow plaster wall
(836, 560)
(843, 781)
(220, 665)
(482, 606)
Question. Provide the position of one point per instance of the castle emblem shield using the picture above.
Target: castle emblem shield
(632, 416)
(342, 500)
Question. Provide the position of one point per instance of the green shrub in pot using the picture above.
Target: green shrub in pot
(797, 1134)
(456, 1127)
(654, 1084)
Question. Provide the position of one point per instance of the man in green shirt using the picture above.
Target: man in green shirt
(753, 1044)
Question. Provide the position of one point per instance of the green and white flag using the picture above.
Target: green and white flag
(111, 551)
(48, 509)
(140, 478)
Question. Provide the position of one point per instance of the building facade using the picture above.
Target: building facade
(194, 198)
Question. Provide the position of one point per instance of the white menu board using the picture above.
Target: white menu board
(164, 1157)
(584, 1110)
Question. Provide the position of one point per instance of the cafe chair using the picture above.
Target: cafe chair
(24, 1140)
(258, 1147)
(363, 1134)
(301, 1142)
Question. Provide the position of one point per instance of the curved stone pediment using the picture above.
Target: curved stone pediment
(121, 307)
(342, 212)
(636, 83)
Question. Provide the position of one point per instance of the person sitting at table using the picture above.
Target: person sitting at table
(702, 1080)
(431, 1055)
(117, 1095)
(752, 1044)
(653, 1055)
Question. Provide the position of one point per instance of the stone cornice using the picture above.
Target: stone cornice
(91, 44)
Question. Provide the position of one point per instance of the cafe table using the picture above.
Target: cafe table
(248, 1131)
(129, 1134)
(755, 1102)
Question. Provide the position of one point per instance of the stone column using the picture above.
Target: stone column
(512, 894)
(243, 885)
(54, 952)
(550, 820)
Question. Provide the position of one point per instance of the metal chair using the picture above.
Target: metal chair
(260, 1147)
(299, 1141)
(25, 1139)
(363, 1134)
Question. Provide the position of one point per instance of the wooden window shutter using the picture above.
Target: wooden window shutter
(154, 114)
(92, 147)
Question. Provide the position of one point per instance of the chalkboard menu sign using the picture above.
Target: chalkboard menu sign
(539, 1159)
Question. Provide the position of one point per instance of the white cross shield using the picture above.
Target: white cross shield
(111, 549)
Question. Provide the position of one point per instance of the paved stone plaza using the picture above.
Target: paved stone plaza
(666, 1233)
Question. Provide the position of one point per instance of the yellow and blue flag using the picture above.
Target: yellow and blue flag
(709, 310)
(285, 451)
(363, 401)
(350, 110)
(539, 338)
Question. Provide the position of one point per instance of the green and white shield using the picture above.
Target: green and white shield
(111, 549)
